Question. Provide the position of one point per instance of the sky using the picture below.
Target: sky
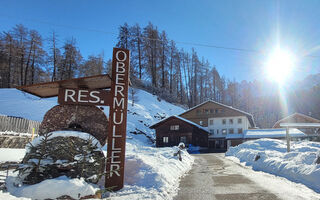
(258, 25)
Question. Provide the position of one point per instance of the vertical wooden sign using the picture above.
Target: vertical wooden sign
(117, 119)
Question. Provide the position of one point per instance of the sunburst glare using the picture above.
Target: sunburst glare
(280, 65)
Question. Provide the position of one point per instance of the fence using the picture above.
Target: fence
(18, 125)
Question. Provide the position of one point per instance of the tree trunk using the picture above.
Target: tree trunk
(28, 62)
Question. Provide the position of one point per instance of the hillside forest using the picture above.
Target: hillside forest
(176, 75)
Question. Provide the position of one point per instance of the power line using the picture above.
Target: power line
(146, 38)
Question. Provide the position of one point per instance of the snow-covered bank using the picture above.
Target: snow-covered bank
(152, 173)
(270, 156)
(11, 155)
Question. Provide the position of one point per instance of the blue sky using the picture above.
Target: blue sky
(245, 24)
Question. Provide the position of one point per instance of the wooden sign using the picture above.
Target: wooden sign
(83, 97)
(117, 119)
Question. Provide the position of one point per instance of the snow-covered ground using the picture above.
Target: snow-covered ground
(271, 156)
(150, 173)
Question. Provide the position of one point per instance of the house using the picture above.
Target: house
(175, 129)
(220, 120)
(300, 118)
(211, 119)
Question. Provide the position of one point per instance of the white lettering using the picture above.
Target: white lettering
(118, 78)
(81, 95)
(124, 56)
(113, 145)
(95, 97)
(114, 132)
(116, 91)
(115, 117)
(117, 103)
(69, 95)
(113, 156)
(114, 170)
(120, 67)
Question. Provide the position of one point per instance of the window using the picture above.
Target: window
(217, 131)
(206, 111)
(165, 139)
(224, 121)
(231, 131)
(230, 121)
(224, 131)
(216, 110)
(221, 110)
(201, 123)
(211, 131)
(239, 120)
(211, 121)
(174, 127)
(183, 139)
(211, 111)
(240, 130)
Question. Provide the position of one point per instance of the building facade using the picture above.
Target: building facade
(220, 120)
(173, 130)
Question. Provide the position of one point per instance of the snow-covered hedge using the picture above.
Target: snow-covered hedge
(271, 156)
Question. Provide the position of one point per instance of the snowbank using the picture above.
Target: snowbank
(53, 188)
(270, 156)
(11, 155)
(152, 173)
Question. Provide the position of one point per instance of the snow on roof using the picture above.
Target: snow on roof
(247, 114)
(272, 133)
(234, 136)
(306, 125)
(192, 123)
(183, 119)
(293, 115)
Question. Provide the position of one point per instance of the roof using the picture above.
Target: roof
(249, 116)
(182, 119)
(301, 125)
(296, 115)
(267, 133)
(51, 89)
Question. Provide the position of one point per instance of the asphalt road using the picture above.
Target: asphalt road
(213, 177)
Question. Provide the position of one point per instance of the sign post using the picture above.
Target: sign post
(117, 120)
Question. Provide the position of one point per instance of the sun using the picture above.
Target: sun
(279, 65)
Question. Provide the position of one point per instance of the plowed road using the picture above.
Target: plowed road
(215, 177)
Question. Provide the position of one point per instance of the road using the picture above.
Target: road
(215, 177)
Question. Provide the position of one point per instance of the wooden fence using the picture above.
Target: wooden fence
(18, 125)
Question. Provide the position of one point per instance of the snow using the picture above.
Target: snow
(281, 187)
(298, 165)
(301, 125)
(188, 121)
(11, 133)
(54, 188)
(267, 133)
(150, 173)
(11, 155)
(82, 135)
(16, 103)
